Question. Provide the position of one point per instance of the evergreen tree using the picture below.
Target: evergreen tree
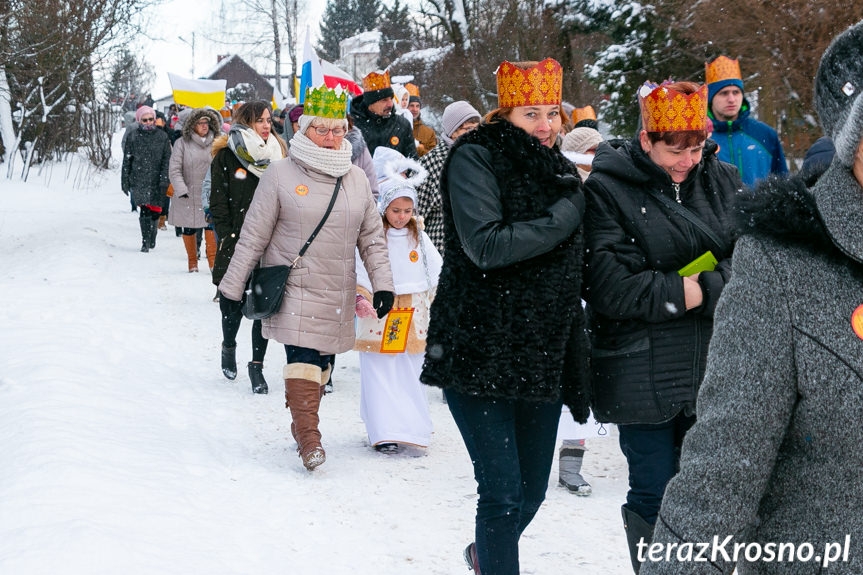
(639, 45)
(339, 22)
(128, 79)
(397, 34)
(367, 13)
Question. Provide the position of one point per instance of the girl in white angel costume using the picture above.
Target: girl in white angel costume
(393, 402)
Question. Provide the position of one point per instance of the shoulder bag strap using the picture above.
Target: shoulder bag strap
(321, 223)
(692, 218)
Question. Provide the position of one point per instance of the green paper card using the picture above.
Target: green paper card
(706, 262)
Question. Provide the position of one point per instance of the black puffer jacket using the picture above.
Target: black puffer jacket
(232, 190)
(146, 156)
(507, 320)
(391, 131)
(649, 353)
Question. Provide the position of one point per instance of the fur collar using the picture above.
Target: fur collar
(523, 151)
(825, 218)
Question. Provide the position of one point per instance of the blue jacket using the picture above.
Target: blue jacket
(750, 145)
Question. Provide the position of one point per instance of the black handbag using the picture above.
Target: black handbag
(266, 286)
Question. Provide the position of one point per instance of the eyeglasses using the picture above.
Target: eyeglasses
(337, 132)
(147, 120)
(202, 123)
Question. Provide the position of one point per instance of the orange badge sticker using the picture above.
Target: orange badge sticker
(240, 174)
(302, 190)
(394, 140)
(857, 321)
(414, 256)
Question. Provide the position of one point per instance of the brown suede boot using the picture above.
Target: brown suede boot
(191, 252)
(162, 225)
(305, 400)
(210, 238)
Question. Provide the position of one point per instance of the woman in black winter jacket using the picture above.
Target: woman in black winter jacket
(655, 204)
(506, 340)
(146, 155)
(239, 160)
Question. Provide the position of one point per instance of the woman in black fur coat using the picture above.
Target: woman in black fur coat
(506, 340)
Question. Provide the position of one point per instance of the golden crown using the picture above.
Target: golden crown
(586, 113)
(376, 81)
(722, 68)
(413, 90)
(326, 102)
(537, 86)
(667, 110)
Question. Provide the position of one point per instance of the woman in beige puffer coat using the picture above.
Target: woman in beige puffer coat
(190, 160)
(316, 318)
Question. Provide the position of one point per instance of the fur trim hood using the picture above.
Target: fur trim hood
(213, 117)
(824, 218)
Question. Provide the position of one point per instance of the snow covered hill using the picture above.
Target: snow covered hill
(123, 450)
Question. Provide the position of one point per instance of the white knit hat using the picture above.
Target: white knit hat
(581, 140)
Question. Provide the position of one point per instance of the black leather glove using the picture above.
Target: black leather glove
(383, 302)
(577, 199)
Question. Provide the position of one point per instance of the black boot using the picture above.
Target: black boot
(256, 375)
(229, 361)
(637, 529)
(146, 223)
(154, 227)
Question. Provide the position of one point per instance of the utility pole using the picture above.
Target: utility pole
(192, 46)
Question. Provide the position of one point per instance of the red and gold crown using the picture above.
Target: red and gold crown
(537, 86)
(667, 110)
(586, 113)
(376, 81)
(413, 90)
(722, 68)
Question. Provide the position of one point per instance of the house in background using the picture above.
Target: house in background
(358, 55)
(241, 77)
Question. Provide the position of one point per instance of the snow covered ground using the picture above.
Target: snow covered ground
(123, 450)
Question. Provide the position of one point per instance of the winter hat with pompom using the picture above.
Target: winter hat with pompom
(839, 92)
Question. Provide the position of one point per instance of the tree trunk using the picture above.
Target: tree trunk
(7, 128)
(277, 46)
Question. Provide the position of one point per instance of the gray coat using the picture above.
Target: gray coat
(320, 298)
(777, 453)
(190, 162)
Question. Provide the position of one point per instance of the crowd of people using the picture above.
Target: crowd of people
(679, 284)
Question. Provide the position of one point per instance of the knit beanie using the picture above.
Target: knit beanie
(295, 113)
(455, 115)
(142, 111)
(838, 89)
(581, 140)
(720, 73)
(373, 96)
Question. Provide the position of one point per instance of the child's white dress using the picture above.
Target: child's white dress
(393, 402)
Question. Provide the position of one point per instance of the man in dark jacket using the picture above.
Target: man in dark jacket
(750, 145)
(373, 114)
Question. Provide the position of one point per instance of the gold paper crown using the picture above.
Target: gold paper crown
(666, 110)
(326, 102)
(376, 81)
(537, 86)
(722, 68)
(586, 113)
(413, 90)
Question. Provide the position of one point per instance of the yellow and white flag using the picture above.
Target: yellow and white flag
(198, 93)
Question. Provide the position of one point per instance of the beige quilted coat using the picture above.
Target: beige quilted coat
(318, 309)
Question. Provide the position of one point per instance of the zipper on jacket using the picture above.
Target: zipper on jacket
(677, 193)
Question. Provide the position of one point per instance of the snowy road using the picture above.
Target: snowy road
(124, 450)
